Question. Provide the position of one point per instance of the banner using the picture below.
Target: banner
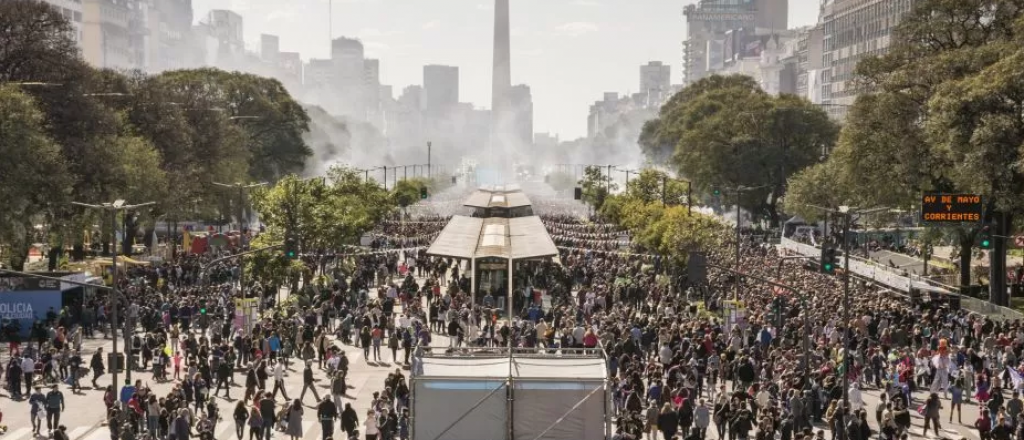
(247, 311)
(27, 306)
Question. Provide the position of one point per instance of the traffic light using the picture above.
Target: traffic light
(985, 237)
(577, 193)
(423, 193)
(202, 311)
(291, 247)
(454, 180)
(717, 192)
(829, 258)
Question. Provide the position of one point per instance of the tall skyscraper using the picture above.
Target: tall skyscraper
(350, 65)
(853, 30)
(501, 82)
(709, 20)
(655, 82)
(440, 88)
(270, 46)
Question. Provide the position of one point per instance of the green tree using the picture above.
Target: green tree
(323, 213)
(659, 136)
(596, 185)
(33, 175)
(274, 124)
(407, 192)
(821, 185)
(940, 115)
(728, 133)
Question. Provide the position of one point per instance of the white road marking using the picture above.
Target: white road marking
(17, 434)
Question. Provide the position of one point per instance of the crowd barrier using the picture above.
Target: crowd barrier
(888, 277)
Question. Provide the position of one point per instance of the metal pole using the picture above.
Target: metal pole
(608, 185)
(689, 197)
(511, 296)
(429, 148)
(113, 321)
(664, 194)
(738, 219)
(846, 317)
(385, 167)
(405, 170)
(366, 179)
(114, 305)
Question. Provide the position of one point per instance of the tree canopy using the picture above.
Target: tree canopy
(941, 112)
(724, 132)
(103, 135)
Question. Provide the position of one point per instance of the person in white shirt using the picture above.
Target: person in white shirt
(279, 381)
(28, 367)
(542, 328)
(665, 353)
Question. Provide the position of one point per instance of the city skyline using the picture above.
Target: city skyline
(560, 53)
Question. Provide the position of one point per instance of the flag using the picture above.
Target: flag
(186, 241)
(1016, 377)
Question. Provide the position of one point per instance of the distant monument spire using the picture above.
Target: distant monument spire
(501, 81)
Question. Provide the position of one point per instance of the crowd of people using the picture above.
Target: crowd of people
(685, 356)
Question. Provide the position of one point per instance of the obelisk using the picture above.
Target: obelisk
(502, 75)
(501, 85)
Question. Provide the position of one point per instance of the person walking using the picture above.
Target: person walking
(956, 399)
(36, 402)
(28, 369)
(932, 408)
(96, 364)
(241, 415)
(256, 423)
(338, 388)
(327, 412)
(307, 382)
(294, 415)
(279, 380)
(54, 406)
(349, 420)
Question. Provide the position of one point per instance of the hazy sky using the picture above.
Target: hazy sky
(568, 51)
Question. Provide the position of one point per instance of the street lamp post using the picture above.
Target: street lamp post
(847, 213)
(113, 208)
(241, 200)
(628, 172)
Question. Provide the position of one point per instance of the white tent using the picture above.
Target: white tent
(527, 396)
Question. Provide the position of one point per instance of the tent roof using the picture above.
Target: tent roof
(516, 238)
(497, 367)
(458, 239)
(496, 199)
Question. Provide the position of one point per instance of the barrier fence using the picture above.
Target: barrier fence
(888, 277)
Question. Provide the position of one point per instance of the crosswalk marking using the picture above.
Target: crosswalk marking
(225, 429)
(78, 432)
(17, 434)
(103, 433)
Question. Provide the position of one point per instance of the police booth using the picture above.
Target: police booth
(26, 300)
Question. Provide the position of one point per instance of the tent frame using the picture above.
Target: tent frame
(511, 353)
